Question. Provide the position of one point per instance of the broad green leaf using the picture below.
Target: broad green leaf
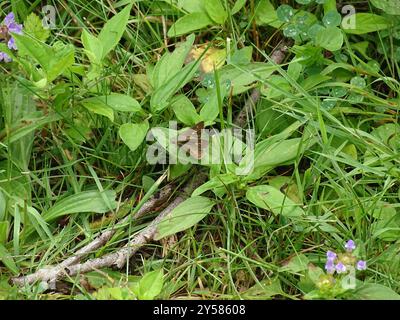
(276, 81)
(171, 63)
(63, 57)
(150, 285)
(85, 201)
(118, 102)
(54, 60)
(314, 80)
(265, 289)
(389, 134)
(330, 38)
(386, 230)
(272, 155)
(178, 170)
(276, 151)
(184, 216)
(99, 107)
(113, 30)
(133, 134)
(193, 5)
(270, 198)
(164, 136)
(188, 23)
(93, 47)
(97, 279)
(286, 183)
(374, 291)
(216, 11)
(33, 26)
(185, 111)
(389, 6)
(297, 264)
(242, 56)
(266, 14)
(294, 69)
(239, 4)
(147, 183)
(161, 97)
(7, 259)
(366, 23)
(36, 49)
(215, 183)
(243, 76)
(118, 293)
(210, 110)
(114, 293)
(387, 226)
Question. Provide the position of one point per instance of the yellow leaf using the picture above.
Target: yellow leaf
(211, 58)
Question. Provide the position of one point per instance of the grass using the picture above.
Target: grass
(344, 181)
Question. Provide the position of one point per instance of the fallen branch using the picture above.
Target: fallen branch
(277, 56)
(105, 236)
(70, 267)
(121, 256)
(47, 273)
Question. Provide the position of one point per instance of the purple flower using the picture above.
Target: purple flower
(350, 245)
(11, 44)
(12, 26)
(15, 28)
(331, 256)
(10, 18)
(361, 265)
(4, 57)
(340, 268)
(330, 266)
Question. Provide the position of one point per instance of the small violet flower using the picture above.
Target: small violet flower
(361, 265)
(12, 26)
(330, 267)
(340, 268)
(4, 57)
(8, 27)
(11, 44)
(331, 256)
(350, 245)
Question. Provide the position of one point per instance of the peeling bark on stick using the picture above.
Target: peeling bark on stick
(119, 258)
(48, 273)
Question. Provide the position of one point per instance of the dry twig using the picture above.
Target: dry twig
(119, 258)
(45, 274)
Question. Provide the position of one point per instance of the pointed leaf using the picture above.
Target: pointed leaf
(113, 30)
(133, 134)
(270, 198)
(188, 23)
(150, 285)
(86, 201)
(184, 216)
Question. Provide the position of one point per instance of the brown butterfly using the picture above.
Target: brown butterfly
(191, 140)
